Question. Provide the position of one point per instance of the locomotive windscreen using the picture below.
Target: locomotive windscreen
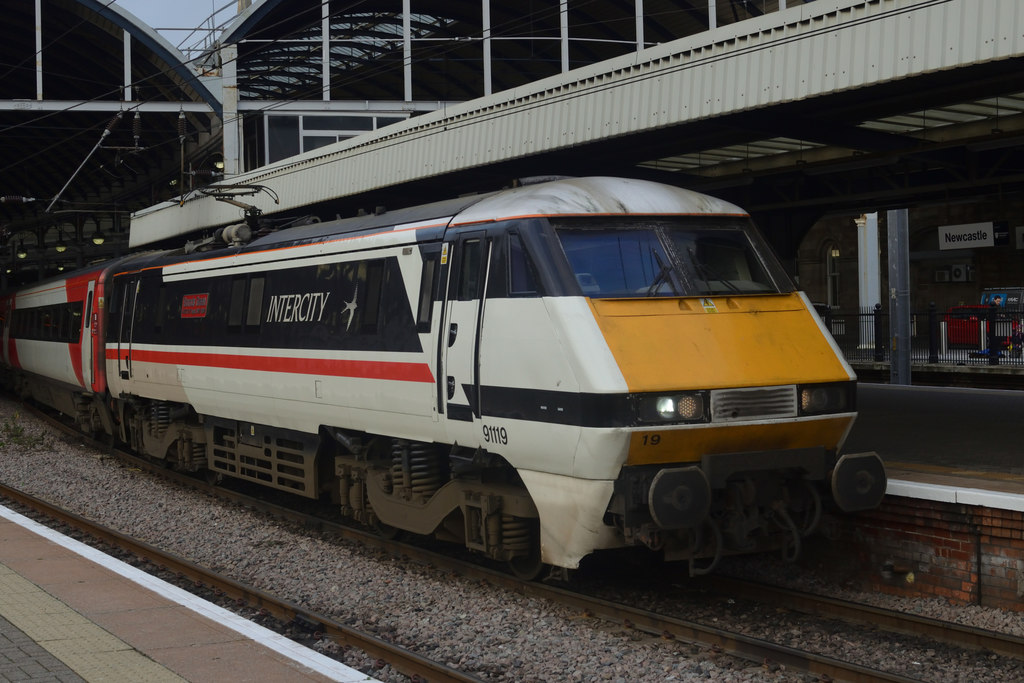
(673, 257)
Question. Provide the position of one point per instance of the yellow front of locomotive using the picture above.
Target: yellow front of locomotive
(729, 373)
(742, 405)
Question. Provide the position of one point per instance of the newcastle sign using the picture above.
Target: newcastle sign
(967, 236)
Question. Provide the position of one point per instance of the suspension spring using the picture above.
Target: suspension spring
(516, 533)
(159, 418)
(416, 467)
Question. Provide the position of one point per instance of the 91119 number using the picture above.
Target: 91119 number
(494, 434)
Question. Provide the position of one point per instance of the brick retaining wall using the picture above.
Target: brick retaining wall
(920, 548)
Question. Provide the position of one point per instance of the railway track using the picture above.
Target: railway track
(958, 635)
(727, 642)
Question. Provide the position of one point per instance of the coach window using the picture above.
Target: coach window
(255, 304)
(374, 289)
(237, 304)
(170, 313)
(428, 281)
(67, 329)
(60, 324)
(160, 314)
(145, 313)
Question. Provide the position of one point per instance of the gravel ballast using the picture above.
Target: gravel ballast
(485, 631)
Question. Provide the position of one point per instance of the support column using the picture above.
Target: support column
(563, 22)
(897, 224)
(485, 12)
(407, 48)
(232, 121)
(39, 50)
(869, 273)
(325, 49)
(126, 95)
(640, 44)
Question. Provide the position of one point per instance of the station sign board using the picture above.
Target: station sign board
(967, 235)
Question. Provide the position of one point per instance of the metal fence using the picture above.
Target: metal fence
(961, 335)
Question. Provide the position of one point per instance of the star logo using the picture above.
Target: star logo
(350, 308)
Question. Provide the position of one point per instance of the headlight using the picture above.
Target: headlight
(819, 399)
(666, 407)
(688, 407)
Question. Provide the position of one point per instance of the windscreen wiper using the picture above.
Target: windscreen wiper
(664, 275)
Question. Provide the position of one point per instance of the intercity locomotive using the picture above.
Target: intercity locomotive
(537, 373)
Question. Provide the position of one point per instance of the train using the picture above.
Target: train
(537, 374)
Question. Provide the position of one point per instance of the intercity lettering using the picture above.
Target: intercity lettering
(297, 308)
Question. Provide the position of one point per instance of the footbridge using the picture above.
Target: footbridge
(809, 108)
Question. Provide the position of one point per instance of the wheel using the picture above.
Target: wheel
(523, 535)
(527, 567)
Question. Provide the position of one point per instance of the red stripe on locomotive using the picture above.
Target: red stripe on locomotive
(363, 369)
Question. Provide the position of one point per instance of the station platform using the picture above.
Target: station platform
(945, 444)
(68, 612)
(961, 485)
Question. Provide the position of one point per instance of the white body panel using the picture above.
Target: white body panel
(43, 295)
(551, 344)
(51, 359)
(47, 358)
(290, 400)
(571, 512)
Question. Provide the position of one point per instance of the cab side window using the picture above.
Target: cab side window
(521, 278)
(470, 271)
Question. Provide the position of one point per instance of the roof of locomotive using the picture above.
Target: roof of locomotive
(564, 196)
(597, 195)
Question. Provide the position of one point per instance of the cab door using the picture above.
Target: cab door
(86, 340)
(460, 334)
(128, 292)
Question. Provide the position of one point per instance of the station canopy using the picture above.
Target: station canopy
(101, 116)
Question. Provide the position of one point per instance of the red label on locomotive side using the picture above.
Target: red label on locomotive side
(194, 305)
